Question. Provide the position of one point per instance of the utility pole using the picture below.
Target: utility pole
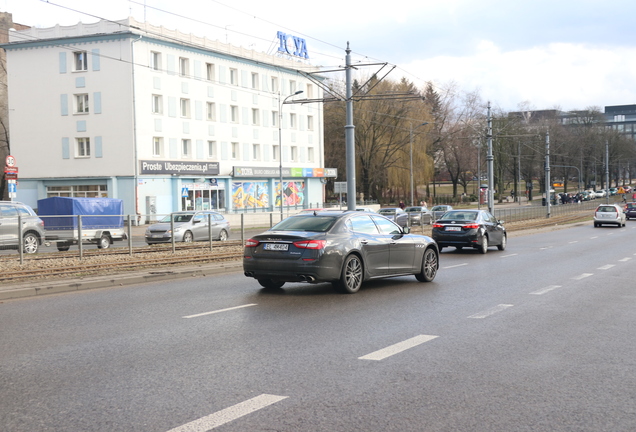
(607, 185)
(491, 168)
(547, 174)
(350, 136)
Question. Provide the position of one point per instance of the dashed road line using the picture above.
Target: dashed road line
(545, 290)
(575, 241)
(592, 238)
(456, 265)
(606, 267)
(491, 311)
(510, 255)
(624, 259)
(583, 276)
(219, 311)
(226, 415)
(397, 348)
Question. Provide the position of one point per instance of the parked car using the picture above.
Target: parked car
(613, 191)
(418, 215)
(630, 210)
(600, 193)
(189, 226)
(438, 210)
(344, 248)
(477, 229)
(609, 214)
(395, 214)
(365, 209)
(32, 230)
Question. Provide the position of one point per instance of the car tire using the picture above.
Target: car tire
(187, 237)
(504, 240)
(483, 246)
(430, 264)
(30, 243)
(63, 247)
(223, 235)
(351, 276)
(104, 242)
(270, 283)
(595, 225)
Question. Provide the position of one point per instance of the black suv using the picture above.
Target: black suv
(32, 231)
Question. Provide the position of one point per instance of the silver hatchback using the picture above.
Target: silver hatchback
(32, 230)
(189, 226)
(609, 214)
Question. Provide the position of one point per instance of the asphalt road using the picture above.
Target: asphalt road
(539, 337)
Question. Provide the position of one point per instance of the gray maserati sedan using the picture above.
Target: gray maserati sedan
(344, 248)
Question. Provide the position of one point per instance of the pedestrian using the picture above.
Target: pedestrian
(423, 203)
(402, 205)
(624, 198)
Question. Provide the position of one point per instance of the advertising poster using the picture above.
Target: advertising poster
(246, 195)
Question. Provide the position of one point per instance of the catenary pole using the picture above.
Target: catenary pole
(350, 136)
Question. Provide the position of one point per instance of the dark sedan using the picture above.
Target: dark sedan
(476, 229)
(344, 248)
(630, 210)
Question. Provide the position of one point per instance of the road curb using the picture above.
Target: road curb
(46, 287)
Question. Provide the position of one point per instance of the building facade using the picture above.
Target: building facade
(164, 120)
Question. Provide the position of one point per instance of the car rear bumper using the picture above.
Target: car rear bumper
(289, 271)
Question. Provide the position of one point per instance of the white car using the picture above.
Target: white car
(609, 214)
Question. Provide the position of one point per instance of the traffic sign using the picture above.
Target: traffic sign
(8, 169)
(10, 161)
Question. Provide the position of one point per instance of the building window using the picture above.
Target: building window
(80, 61)
(310, 154)
(275, 118)
(184, 67)
(255, 81)
(619, 118)
(157, 146)
(157, 104)
(83, 147)
(83, 191)
(234, 76)
(210, 73)
(294, 153)
(292, 121)
(256, 152)
(274, 84)
(234, 114)
(235, 150)
(310, 123)
(81, 103)
(275, 152)
(256, 114)
(310, 91)
(186, 150)
(292, 87)
(211, 111)
(155, 60)
(212, 149)
(185, 108)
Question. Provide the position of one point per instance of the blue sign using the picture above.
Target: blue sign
(298, 49)
(184, 192)
(13, 187)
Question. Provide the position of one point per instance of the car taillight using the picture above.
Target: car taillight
(251, 243)
(471, 226)
(310, 244)
(438, 225)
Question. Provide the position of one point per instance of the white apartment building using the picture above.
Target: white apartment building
(164, 120)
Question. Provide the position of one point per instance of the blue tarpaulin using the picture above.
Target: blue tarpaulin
(97, 213)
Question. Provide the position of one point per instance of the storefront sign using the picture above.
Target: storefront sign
(179, 167)
(287, 172)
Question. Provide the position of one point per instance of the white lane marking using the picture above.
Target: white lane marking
(575, 241)
(506, 256)
(606, 267)
(545, 290)
(624, 259)
(228, 414)
(456, 265)
(547, 247)
(583, 276)
(610, 233)
(592, 238)
(491, 311)
(219, 311)
(397, 348)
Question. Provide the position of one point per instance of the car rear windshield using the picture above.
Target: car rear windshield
(305, 223)
(631, 206)
(606, 209)
(459, 215)
(178, 218)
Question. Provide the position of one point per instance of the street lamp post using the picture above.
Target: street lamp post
(411, 142)
(280, 145)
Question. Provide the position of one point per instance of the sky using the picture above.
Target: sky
(543, 54)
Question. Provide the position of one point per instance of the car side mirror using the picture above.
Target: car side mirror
(196, 221)
(406, 230)
(501, 222)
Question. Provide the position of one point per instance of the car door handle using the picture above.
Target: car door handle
(364, 241)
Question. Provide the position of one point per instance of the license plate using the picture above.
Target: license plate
(276, 246)
(157, 235)
(453, 228)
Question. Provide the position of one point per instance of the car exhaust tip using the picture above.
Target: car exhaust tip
(249, 274)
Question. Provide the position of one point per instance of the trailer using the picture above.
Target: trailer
(67, 221)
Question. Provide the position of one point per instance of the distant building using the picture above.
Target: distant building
(622, 118)
(164, 120)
